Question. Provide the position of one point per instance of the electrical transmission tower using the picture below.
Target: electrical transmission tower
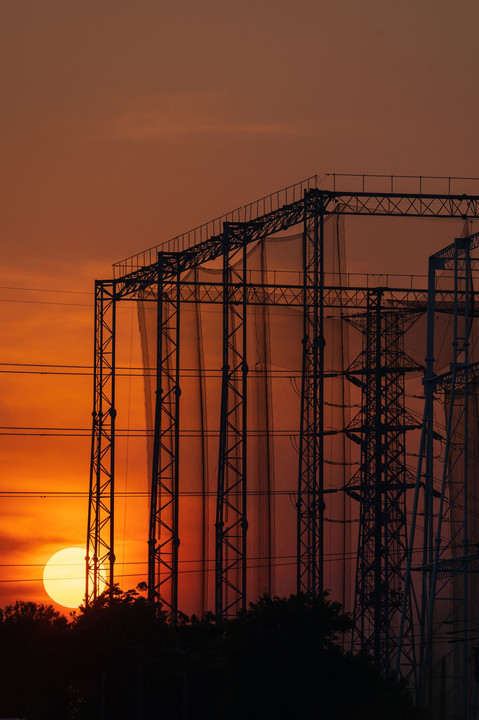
(381, 482)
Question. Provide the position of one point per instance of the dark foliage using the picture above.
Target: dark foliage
(281, 659)
(34, 679)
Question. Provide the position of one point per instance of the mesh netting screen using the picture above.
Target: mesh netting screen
(274, 357)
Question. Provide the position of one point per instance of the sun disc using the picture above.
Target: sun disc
(64, 577)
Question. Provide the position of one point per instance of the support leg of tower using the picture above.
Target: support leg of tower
(100, 556)
(163, 542)
(231, 517)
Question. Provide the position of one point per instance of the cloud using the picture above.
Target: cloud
(19, 544)
(180, 116)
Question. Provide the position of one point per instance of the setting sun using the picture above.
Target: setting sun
(64, 577)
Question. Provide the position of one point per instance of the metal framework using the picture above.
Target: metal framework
(381, 481)
(447, 684)
(380, 491)
(310, 503)
(231, 517)
(163, 538)
(100, 556)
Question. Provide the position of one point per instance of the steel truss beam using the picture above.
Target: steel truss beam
(310, 503)
(353, 298)
(287, 295)
(231, 516)
(100, 556)
(381, 481)
(163, 541)
(407, 205)
(447, 560)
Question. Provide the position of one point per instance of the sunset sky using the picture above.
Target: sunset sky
(126, 123)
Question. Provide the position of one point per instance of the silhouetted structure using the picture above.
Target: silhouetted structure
(382, 479)
(324, 305)
(447, 576)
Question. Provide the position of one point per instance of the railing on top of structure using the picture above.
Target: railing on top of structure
(335, 182)
(212, 228)
(401, 184)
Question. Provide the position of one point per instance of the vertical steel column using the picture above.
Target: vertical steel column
(100, 556)
(310, 503)
(231, 511)
(428, 538)
(447, 574)
(381, 482)
(446, 678)
(163, 542)
(424, 485)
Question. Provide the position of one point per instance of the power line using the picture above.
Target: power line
(29, 494)
(47, 290)
(119, 575)
(45, 302)
(329, 557)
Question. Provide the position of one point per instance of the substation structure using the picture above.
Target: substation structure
(381, 483)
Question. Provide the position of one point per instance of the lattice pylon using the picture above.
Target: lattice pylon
(381, 482)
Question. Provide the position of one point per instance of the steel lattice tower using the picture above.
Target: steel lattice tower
(100, 556)
(163, 538)
(231, 517)
(310, 503)
(381, 482)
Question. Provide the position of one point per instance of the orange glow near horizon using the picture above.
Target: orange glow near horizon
(161, 125)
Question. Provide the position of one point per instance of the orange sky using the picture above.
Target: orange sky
(124, 124)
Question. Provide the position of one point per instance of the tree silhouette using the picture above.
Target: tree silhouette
(122, 659)
(34, 677)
